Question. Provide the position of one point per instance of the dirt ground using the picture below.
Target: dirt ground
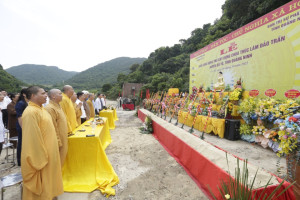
(147, 171)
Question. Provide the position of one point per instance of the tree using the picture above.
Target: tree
(134, 67)
(106, 87)
(147, 66)
(121, 79)
(137, 77)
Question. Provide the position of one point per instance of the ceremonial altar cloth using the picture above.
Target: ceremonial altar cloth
(215, 125)
(109, 114)
(87, 167)
(115, 115)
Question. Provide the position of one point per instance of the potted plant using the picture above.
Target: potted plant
(241, 187)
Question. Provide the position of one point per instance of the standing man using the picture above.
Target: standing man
(77, 108)
(3, 106)
(103, 101)
(59, 122)
(98, 104)
(67, 106)
(41, 168)
(80, 99)
(21, 105)
(90, 104)
(85, 105)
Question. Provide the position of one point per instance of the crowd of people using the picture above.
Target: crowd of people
(42, 121)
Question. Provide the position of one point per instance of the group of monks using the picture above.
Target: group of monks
(45, 141)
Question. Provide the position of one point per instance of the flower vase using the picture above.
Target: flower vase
(293, 172)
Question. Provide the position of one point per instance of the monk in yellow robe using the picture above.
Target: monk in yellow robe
(59, 121)
(90, 104)
(77, 108)
(67, 106)
(40, 161)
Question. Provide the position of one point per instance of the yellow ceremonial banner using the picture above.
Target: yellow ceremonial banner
(264, 53)
(172, 91)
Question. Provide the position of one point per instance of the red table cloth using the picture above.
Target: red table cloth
(128, 106)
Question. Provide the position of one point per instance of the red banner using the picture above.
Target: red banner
(253, 93)
(292, 94)
(141, 93)
(270, 92)
(147, 94)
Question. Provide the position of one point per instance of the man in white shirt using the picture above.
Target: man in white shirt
(103, 100)
(6, 97)
(85, 106)
(98, 104)
(47, 100)
(3, 106)
(80, 99)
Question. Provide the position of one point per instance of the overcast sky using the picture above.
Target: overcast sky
(75, 35)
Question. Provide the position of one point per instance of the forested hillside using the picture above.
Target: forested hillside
(168, 67)
(40, 74)
(8, 82)
(105, 73)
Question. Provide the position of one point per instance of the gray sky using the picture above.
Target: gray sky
(75, 35)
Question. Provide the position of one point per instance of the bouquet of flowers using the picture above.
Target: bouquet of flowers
(247, 109)
(236, 94)
(111, 107)
(282, 110)
(264, 108)
(259, 130)
(194, 93)
(245, 129)
(147, 126)
(288, 135)
(192, 110)
(273, 135)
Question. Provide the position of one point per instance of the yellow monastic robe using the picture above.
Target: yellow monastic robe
(61, 127)
(67, 106)
(40, 161)
(91, 106)
(78, 113)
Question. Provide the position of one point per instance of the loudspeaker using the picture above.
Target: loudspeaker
(232, 129)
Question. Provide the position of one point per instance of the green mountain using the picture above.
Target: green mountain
(104, 73)
(8, 82)
(40, 74)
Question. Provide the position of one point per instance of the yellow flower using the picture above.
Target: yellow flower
(227, 196)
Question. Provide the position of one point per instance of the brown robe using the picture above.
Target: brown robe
(91, 106)
(12, 120)
(87, 110)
